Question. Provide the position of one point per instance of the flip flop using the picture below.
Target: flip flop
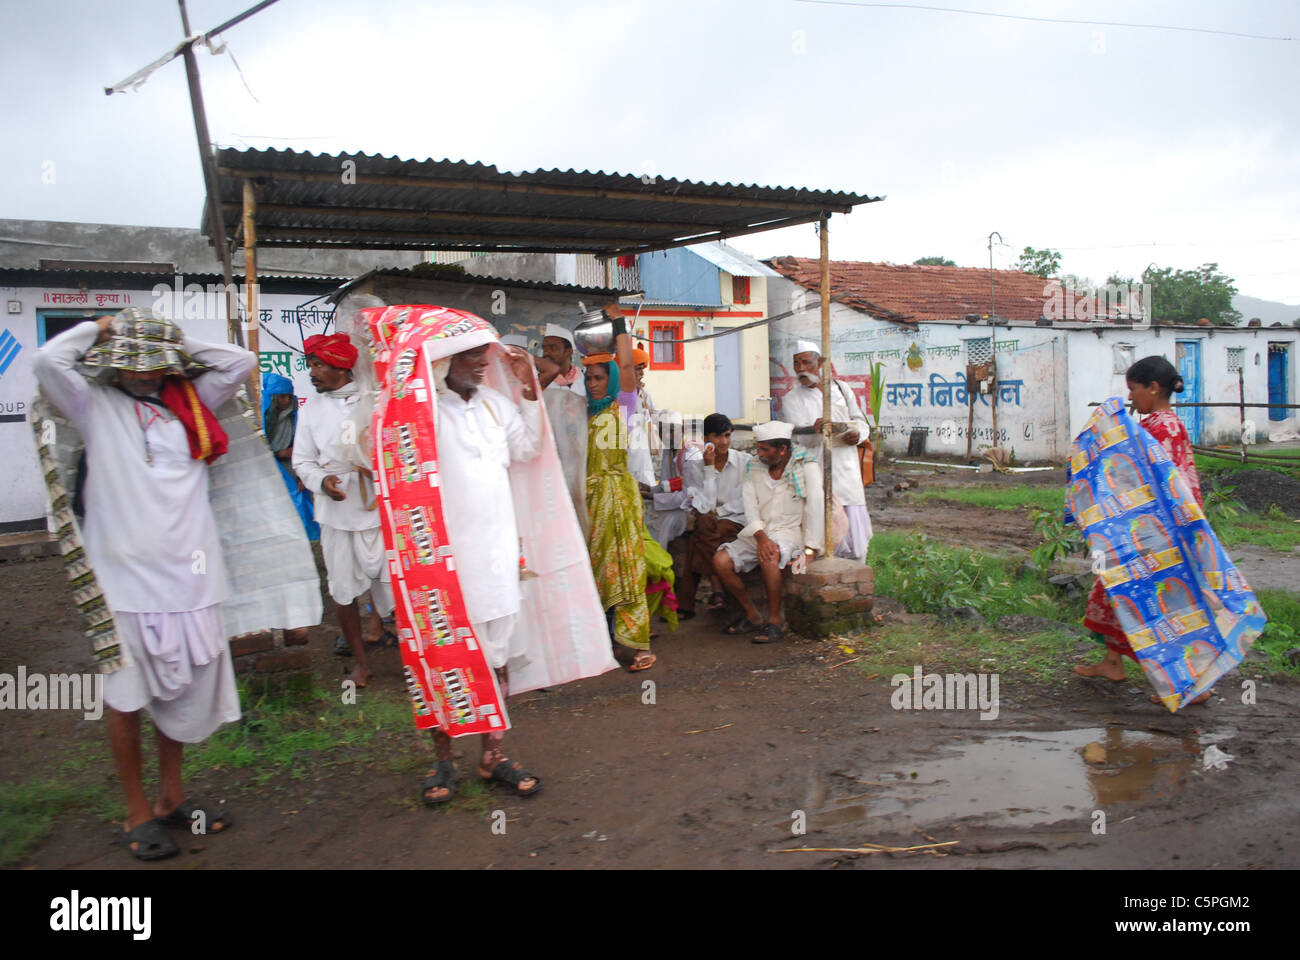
(643, 661)
(183, 818)
(154, 843)
(511, 775)
(740, 626)
(444, 776)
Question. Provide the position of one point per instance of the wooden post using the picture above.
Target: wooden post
(215, 224)
(1241, 395)
(828, 468)
(608, 285)
(250, 286)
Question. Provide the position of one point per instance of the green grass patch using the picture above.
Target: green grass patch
(926, 576)
(1207, 464)
(29, 810)
(998, 498)
(1039, 658)
(1263, 530)
(1283, 631)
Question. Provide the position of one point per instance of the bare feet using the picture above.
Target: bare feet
(359, 676)
(1111, 671)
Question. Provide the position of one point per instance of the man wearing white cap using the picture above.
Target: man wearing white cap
(557, 347)
(784, 522)
(802, 407)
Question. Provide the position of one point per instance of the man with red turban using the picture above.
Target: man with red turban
(324, 459)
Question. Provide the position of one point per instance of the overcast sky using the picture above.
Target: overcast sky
(1118, 146)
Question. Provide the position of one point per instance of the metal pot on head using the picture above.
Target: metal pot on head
(594, 334)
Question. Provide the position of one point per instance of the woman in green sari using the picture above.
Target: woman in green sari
(616, 541)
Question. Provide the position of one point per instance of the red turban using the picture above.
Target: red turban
(336, 349)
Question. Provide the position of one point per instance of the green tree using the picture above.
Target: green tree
(934, 262)
(1045, 262)
(1185, 296)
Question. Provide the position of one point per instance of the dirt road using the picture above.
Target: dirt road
(741, 744)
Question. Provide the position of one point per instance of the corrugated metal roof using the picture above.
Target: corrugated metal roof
(368, 201)
(49, 276)
(451, 276)
(731, 260)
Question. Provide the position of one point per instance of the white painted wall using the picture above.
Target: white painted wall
(22, 494)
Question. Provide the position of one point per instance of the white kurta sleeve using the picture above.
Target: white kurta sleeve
(55, 366)
(693, 482)
(523, 425)
(855, 414)
(753, 521)
(814, 508)
(306, 455)
(231, 366)
(733, 495)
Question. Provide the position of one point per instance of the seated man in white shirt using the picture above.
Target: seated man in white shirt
(715, 492)
(784, 522)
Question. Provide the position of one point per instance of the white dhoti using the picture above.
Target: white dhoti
(356, 562)
(855, 542)
(502, 644)
(178, 667)
(744, 551)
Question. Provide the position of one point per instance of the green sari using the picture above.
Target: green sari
(617, 539)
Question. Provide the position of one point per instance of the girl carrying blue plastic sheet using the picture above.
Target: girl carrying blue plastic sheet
(1166, 594)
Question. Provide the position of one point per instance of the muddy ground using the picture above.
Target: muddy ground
(714, 773)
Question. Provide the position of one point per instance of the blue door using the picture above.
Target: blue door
(1279, 376)
(726, 376)
(1189, 368)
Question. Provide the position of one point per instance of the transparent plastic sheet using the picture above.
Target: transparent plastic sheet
(270, 571)
(1186, 610)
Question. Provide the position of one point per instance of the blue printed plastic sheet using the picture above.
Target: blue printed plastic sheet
(1187, 611)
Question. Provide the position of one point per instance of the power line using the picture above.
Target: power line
(1013, 16)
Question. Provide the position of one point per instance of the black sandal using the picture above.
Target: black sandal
(341, 646)
(769, 633)
(154, 843)
(183, 818)
(444, 776)
(740, 626)
(513, 774)
(717, 602)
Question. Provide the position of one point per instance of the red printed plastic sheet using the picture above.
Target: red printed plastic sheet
(450, 682)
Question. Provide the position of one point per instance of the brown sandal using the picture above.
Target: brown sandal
(643, 661)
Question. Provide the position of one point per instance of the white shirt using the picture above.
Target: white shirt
(641, 444)
(712, 489)
(802, 407)
(478, 439)
(149, 531)
(774, 507)
(318, 453)
(579, 385)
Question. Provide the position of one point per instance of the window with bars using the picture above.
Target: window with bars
(740, 289)
(665, 355)
(979, 350)
(1236, 358)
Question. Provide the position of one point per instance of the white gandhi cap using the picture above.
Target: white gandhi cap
(555, 330)
(806, 346)
(773, 430)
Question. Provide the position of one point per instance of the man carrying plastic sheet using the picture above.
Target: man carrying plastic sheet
(151, 539)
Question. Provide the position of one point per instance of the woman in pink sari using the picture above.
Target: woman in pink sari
(1151, 383)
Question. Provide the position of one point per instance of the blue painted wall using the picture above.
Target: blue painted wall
(681, 276)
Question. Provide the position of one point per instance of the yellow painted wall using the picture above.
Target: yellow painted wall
(690, 391)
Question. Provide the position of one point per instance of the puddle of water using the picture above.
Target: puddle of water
(1025, 779)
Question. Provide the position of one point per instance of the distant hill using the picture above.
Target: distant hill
(1268, 311)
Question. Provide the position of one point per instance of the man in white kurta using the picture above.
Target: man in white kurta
(802, 408)
(152, 540)
(714, 482)
(351, 541)
(784, 523)
(480, 433)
